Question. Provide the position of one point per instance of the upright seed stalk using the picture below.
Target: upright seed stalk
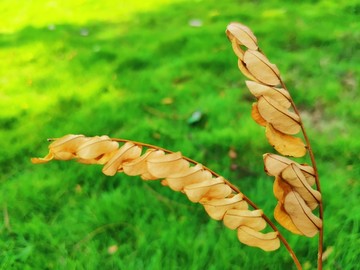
(317, 181)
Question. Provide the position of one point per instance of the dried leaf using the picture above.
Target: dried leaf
(261, 68)
(294, 177)
(128, 151)
(281, 95)
(166, 165)
(193, 175)
(281, 118)
(211, 189)
(304, 220)
(275, 164)
(284, 219)
(285, 144)
(242, 34)
(234, 218)
(256, 115)
(251, 237)
(217, 208)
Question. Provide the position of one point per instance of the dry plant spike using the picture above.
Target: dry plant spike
(216, 194)
(276, 111)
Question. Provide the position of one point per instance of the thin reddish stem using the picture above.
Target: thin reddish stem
(236, 190)
(317, 181)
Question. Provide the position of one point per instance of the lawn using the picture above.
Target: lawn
(140, 70)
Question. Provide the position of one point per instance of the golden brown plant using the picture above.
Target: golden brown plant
(198, 183)
(276, 111)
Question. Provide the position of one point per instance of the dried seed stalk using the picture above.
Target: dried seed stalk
(219, 198)
(276, 110)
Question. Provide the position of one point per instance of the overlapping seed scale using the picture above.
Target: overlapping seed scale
(213, 188)
(280, 189)
(256, 116)
(260, 67)
(285, 144)
(139, 166)
(65, 148)
(216, 208)
(237, 50)
(302, 217)
(96, 147)
(166, 165)
(280, 117)
(234, 218)
(127, 152)
(245, 71)
(192, 175)
(284, 219)
(275, 164)
(266, 241)
(281, 95)
(242, 34)
(294, 177)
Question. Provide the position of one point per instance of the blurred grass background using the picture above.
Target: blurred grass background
(139, 70)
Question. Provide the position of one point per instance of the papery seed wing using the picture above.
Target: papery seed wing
(256, 116)
(128, 151)
(234, 218)
(274, 164)
(304, 220)
(192, 175)
(261, 68)
(242, 34)
(284, 219)
(268, 241)
(212, 189)
(96, 147)
(281, 118)
(294, 177)
(280, 95)
(286, 145)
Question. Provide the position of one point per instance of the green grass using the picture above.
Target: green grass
(105, 67)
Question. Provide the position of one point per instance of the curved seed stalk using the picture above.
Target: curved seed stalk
(276, 110)
(221, 199)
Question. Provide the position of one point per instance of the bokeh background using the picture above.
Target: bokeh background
(163, 72)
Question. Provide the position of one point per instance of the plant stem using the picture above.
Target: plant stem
(317, 182)
(236, 190)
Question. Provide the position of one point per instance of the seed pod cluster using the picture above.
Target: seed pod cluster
(196, 181)
(273, 108)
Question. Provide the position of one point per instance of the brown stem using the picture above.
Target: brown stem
(317, 182)
(236, 190)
